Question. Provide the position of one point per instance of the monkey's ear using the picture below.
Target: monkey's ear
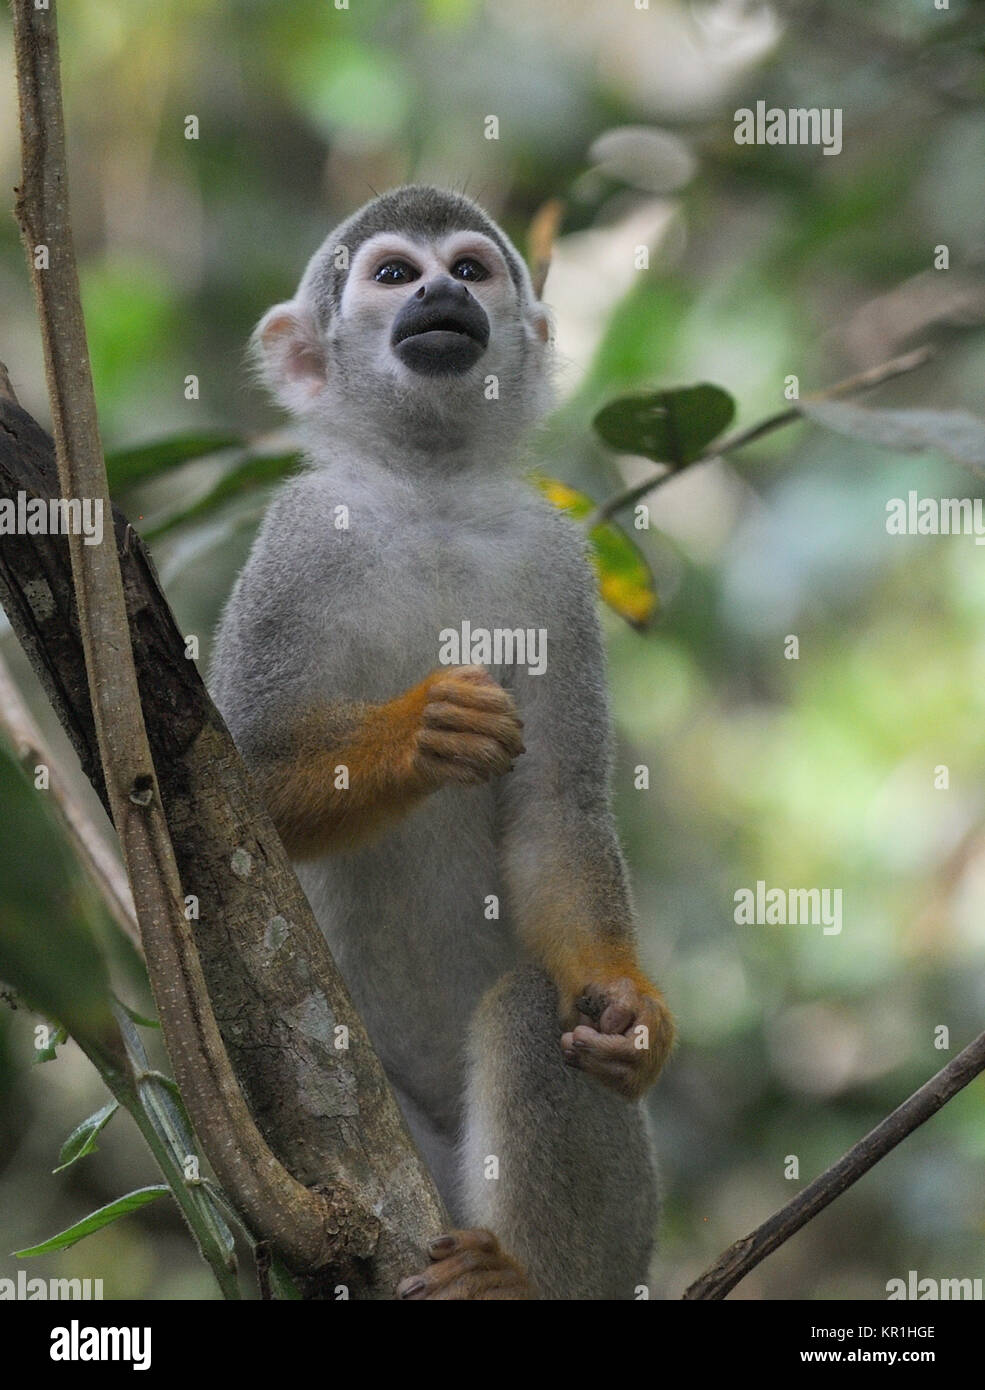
(541, 324)
(289, 355)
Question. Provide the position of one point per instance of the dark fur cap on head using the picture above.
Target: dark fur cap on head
(416, 210)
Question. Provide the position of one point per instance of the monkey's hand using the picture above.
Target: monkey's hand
(467, 1265)
(455, 726)
(620, 1032)
(468, 729)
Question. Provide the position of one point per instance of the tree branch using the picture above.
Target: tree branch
(863, 381)
(308, 1228)
(30, 749)
(745, 1254)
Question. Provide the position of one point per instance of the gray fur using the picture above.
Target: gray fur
(466, 1029)
(568, 1148)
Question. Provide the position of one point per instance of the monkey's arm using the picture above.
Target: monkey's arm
(563, 867)
(340, 771)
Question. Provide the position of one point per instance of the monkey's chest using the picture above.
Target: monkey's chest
(454, 598)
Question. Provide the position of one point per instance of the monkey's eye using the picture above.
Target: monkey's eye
(396, 273)
(468, 269)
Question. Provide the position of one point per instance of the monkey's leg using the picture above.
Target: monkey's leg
(554, 1163)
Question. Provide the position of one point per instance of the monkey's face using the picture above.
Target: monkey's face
(426, 335)
(424, 301)
(433, 309)
(441, 321)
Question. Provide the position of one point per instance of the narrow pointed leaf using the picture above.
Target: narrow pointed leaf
(139, 1019)
(258, 470)
(82, 1140)
(95, 1221)
(127, 467)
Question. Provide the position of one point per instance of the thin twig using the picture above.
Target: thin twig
(94, 854)
(736, 1262)
(863, 381)
(300, 1223)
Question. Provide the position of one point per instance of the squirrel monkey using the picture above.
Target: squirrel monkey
(450, 820)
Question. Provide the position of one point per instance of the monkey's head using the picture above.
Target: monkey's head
(416, 320)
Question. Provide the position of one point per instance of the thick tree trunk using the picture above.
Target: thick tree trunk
(326, 1111)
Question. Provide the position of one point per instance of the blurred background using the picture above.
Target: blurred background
(764, 262)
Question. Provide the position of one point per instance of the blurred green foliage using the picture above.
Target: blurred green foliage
(764, 263)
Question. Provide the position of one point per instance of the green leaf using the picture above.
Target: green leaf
(82, 1140)
(48, 1054)
(126, 467)
(257, 470)
(955, 433)
(673, 427)
(624, 577)
(138, 1018)
(95, 1221)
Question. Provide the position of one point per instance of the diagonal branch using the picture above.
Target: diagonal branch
(29, 747)
(863, 381)
(736, 1262)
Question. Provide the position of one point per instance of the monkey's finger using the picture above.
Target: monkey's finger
(453, 1242)
(475, 1286)
(475, 673)
(618, 1072)
(470, 750)
(504, 728)
(485, 1286)
(460, 1269)
(489, 697)
(616, 1005)
(618, 1076)
(611, 1046)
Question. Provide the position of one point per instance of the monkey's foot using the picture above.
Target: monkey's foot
(468, 1265)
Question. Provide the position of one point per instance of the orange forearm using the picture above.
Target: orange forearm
(338, 774)
(577, 925)
(349, 770)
